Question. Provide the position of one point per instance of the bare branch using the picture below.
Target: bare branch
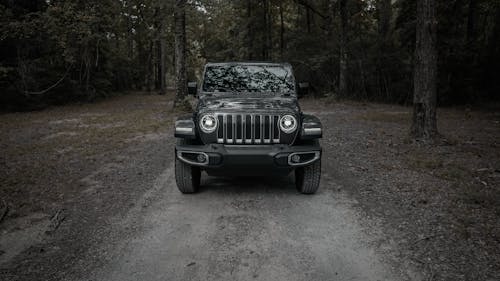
(51, 87)
(314, 10)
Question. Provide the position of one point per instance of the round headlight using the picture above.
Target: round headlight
(208, 123)
(288, 124)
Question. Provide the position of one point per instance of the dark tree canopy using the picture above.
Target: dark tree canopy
(65, 50)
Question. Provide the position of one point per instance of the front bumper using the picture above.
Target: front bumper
(237, 157)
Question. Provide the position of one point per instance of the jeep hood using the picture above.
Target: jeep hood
(218, 104)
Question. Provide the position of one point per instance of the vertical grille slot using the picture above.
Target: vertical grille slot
(267, 128)
(239, 129)
(220, 130)
(276, 129)
(248, 129)
(229, 129)
(257, 129)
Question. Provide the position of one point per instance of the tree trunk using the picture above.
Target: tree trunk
(265, 39)
(150, 71)
(308, 19)
(282, 30)
(471, 22)
(424, 124)
(130, 33)
(384, 10)
(157, 66)
(180, 52)
(163, 82)
(331, 18)
(269, 30)
(298, 21)
(343, 49)
(250, 36)
(163, 46)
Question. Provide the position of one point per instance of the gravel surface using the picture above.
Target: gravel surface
(91, 196)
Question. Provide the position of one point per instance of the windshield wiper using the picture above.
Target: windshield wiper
(221, 90)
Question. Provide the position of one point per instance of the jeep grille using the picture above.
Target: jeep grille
(248, 129)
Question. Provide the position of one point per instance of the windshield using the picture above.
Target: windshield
(248, 78)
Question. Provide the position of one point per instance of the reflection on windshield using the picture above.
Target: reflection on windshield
(248, 78)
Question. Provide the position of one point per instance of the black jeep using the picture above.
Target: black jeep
(248, 121)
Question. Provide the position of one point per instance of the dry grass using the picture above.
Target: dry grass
(401, 117)
(40, 150)
(83, 128)
(440, 202)
(444, 168)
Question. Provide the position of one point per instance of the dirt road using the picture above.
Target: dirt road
(244, 229)
(95, 199)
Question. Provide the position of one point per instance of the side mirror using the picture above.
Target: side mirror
(303, 89)
(192, 88)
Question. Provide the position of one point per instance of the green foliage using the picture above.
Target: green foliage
(65, 50)
(380, 66)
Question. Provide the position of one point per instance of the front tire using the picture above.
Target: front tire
(307, 178)
(187, 177)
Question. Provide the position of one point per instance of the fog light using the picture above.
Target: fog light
(201, 158)
(296, 158)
